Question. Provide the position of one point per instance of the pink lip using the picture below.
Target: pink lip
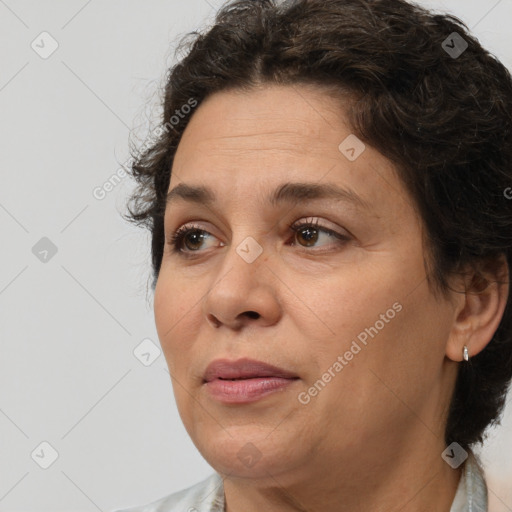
(252, 380)
(243, 369)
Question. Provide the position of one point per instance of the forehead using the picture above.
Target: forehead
(241, 143)
(266, 118)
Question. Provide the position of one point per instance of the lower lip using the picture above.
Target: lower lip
(246, 390)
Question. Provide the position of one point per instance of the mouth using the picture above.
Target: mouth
(244, 369)
(245, 380)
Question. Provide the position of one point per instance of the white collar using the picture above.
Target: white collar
(471, 495)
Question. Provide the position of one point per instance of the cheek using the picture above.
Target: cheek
(396, 343)
(353, 299)
(389, 366)
(379, 313)
(173, 307)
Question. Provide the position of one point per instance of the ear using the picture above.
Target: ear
(479, 308)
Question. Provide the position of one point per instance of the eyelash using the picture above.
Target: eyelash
(176, 239)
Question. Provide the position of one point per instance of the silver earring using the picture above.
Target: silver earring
(466, 355)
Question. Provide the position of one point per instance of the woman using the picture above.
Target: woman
(331, 243)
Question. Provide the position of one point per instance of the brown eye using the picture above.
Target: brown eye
(192, 239)
(310, 232)
(190, 236)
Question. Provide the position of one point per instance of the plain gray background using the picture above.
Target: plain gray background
(74, 276)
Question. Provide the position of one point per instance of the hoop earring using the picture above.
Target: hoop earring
(465, 354)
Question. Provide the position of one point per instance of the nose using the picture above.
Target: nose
(244, 290)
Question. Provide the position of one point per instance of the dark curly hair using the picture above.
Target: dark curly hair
(440, 111)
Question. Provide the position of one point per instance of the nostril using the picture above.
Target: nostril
(214, 320)
(252, 314)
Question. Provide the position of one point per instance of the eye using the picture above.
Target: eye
(188, 238)
(185, 234)
(309, 231)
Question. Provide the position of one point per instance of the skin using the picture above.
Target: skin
(372, 438)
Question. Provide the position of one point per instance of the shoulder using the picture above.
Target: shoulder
(207, 496)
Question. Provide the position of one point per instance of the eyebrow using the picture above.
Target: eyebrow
(284, 193)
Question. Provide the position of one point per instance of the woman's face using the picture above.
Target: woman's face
(350, 315)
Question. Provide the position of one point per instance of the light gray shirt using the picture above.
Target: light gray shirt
(208, 495)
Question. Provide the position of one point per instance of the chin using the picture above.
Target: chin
(244, 451)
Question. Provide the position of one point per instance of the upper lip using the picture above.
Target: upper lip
(243, 369)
